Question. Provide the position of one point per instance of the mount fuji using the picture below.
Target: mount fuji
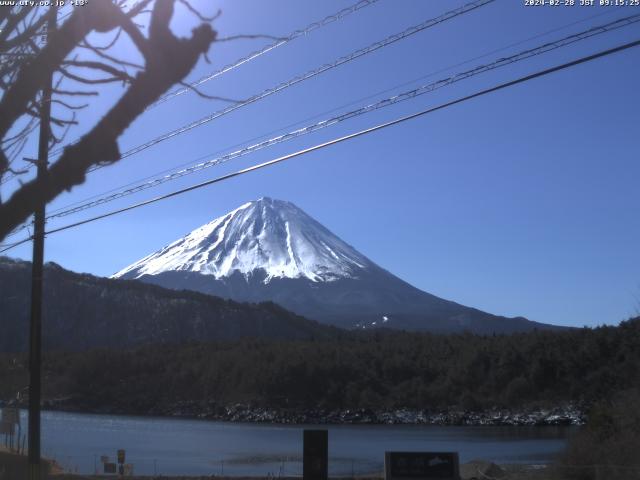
(271, 250)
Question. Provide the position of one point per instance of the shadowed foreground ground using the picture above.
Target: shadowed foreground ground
(13, 467)
(509, 472)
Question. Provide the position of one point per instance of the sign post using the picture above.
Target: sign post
(10, 415)
(421, 466)
(315, 461)
(121, 457)
(10, 418)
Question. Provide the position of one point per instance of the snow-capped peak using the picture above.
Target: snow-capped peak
(269, 235)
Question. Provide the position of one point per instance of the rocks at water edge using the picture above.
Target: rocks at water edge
(563, 415)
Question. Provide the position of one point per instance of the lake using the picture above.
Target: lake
(200, 447)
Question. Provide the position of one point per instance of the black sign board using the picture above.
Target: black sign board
(10, 415)
(315, 453)
(6, 428)
(421, 465)
(109, 467)
(120, 456)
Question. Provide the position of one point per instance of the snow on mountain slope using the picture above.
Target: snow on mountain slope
(269, 235)
(270, 250)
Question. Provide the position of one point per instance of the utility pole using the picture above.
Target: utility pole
(35, 334)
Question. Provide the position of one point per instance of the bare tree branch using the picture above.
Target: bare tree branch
(18, 172)
(19, 134)
(199, 15)
(168, 61)
(12, 22)
(60, 122)
(28, 32)
(106, 56)
(89, 81)
(74, 93)
(123, 76)
(138, 8)
(98, 16)
(60, 139)
(208, 97)
(107, 46)
(69, 106)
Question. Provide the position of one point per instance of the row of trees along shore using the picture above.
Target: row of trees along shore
(381, 369)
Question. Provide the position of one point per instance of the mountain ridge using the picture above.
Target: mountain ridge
(82, 311)
(270, 250)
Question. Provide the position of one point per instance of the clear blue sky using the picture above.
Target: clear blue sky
(524, 202)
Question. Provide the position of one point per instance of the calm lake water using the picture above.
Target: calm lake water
(200, 447)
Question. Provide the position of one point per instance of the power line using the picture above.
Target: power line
(350, 136)
(253, 55)
(355, 102)
(310, 74)
(306, 76)
(401, 97)
(618, 23)
(292, 36)
(9, 246)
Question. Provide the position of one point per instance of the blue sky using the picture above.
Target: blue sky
(523, 202)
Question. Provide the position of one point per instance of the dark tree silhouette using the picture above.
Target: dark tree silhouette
(24, 66)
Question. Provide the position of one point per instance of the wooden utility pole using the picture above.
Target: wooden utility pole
(35, 334)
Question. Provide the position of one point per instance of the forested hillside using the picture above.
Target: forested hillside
(82, 311)
(364, 370)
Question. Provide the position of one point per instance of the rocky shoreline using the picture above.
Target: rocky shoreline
(566, 415)
(242, 413)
